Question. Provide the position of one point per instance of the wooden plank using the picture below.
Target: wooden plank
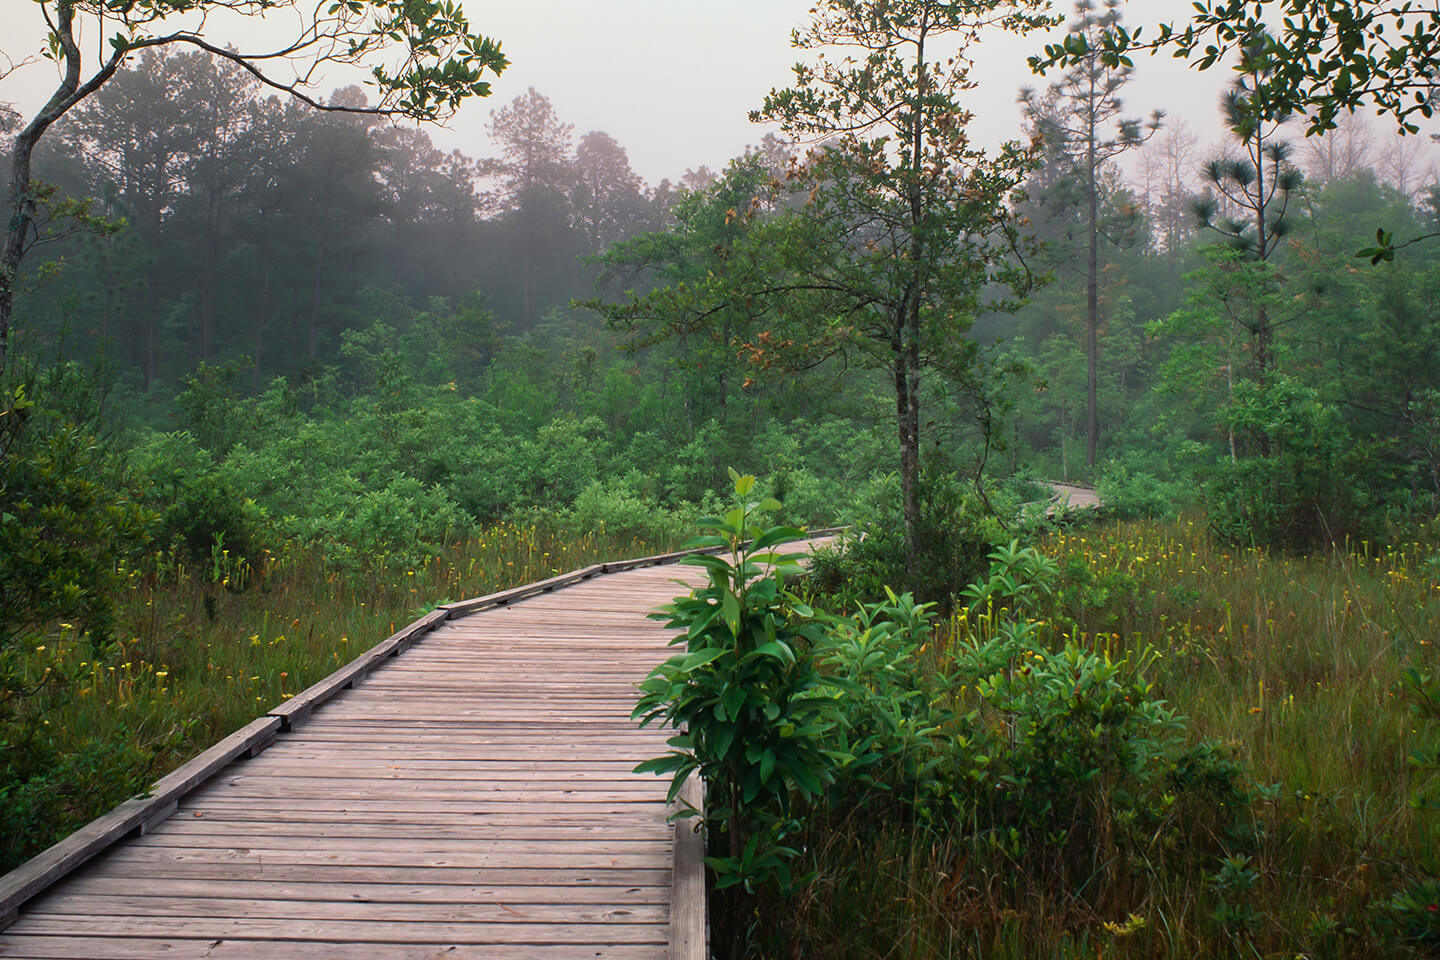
(481, 756)
(530, 825)
(590, 876)
(295, 711)
(98, 885)
(465, 768)
(504, 597)
(480, 817)
(320, 788)
(574, 861)
(43, 870)
(478, 810)
(687, 891)
(232, 948)
(514, 825)
(454, 851)
(531, 906)
(605, 779)
(356, 931)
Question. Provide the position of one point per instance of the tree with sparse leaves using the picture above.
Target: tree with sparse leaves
(1256, 187)
(908, 228)
(1074, 119)
(424, 62)
(535, 171)
(1321, 57)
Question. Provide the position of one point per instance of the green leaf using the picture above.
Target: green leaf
(724, 737)
(659, 764)
(775, 649)
(731, 605)
(777, 535)
(702, 623)
(734, 700)
(701, 657)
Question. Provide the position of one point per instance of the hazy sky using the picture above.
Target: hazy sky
(673, 80)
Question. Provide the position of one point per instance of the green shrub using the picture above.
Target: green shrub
(65, 523)
(615, 508)
(894, 708)
(395, 522)
(207, 409)
(1130, 493)
(67, 534)
(1411, 915)
(1077, 773)
(46, 794)
(957, 530)
(747, 694)
(1299, 479)
(199, 503)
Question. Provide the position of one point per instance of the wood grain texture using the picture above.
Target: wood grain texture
(687, 881)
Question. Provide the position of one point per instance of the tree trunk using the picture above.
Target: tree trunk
(261, 317)
(906, 348)
(152, 351)
(22, 213)
(1092, 313)
(907, 327)
(212, 259)
(22, 198)
(313, 339)
(909, 456)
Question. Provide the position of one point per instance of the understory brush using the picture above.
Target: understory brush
(1127, 741)
(957, 530)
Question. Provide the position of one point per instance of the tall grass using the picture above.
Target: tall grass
(1292, 664)
(201, 649)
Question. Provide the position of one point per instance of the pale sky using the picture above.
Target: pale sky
(673, 80)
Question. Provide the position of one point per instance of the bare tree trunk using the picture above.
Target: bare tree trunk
(22, 197)
(1092, 316)
(212, 258)
(909, 455)
(262, 316)
(152, 352)
(907, 327)
(314, 338)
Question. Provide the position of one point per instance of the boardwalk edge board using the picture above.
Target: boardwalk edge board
(687, 879)
(143, 812)
(136, 815)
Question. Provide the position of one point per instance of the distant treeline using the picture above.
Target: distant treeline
(1242, 351)
(263, 229)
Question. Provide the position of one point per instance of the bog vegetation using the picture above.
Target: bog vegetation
(280, 381)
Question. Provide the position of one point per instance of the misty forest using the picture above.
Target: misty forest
(278, 377)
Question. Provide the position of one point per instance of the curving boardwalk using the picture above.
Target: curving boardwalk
(470, 798)
(1071, 496)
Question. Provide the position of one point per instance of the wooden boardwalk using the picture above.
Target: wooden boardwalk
(472, 797)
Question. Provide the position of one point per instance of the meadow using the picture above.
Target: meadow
(1303, 686)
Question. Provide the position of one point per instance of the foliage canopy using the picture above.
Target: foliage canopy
(1322, 56)
(425, 62)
